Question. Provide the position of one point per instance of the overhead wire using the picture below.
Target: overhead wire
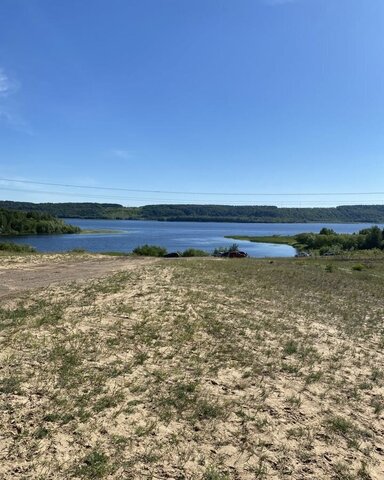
(68, 185)
(185, 200)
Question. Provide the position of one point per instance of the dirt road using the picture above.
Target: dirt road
(29, 272)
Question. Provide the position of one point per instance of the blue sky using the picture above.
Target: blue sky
(203, 96)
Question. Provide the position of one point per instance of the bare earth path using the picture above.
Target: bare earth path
(25, 273)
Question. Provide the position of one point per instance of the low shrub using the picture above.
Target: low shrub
(15, 247)
(150, 251)
(194, 252)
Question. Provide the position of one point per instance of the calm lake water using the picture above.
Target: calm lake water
(176, 236)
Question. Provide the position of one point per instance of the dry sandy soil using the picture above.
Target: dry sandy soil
(125, 368)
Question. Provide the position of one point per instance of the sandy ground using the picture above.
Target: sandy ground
(124, 368)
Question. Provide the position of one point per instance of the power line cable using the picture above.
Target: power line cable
(67, 185)
(184, 201)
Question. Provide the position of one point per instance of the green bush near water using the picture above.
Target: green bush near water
(156, 251)
(150, 251)
(14, 247)
(328, 241)
(194, 252)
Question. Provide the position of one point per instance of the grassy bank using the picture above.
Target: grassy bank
(279, 239)
(203, 369)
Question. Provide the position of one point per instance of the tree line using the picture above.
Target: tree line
(14, 222)
(206, 213)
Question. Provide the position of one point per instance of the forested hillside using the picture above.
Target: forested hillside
(14, 222)
(205, 213)
(74, 210)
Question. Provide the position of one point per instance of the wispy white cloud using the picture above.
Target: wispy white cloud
(9, 113)
(7, 85)
(120, 153)
(11, 118)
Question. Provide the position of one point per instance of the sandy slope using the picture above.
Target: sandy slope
(206, 370)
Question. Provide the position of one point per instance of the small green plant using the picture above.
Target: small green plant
(377, 375)
(108, 401)
(329, 268)
(290, 347)
(294, 401)
(10, 384)
(314, 377)
(213, 474)
(205, 410)
(358, 267)
(378, 405)
(150, 251)
(94, 465)
(41, 432)
(340, 425)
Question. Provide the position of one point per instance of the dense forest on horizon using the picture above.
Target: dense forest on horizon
(206, 213)
(14, 222)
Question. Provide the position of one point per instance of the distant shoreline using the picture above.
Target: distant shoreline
(205, 213)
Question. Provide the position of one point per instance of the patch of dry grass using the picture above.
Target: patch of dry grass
(198, 369)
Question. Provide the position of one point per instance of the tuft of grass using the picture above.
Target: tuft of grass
(41, 432)
(107, 401)
(67, 360)
(205, 410)
(94, 465)
(340, 425)
(213, 474)
(313, 377)
(378, 405)
(290, 347)
(358, 267)
(11, 384)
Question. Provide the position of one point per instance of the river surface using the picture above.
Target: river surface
(176, 236)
